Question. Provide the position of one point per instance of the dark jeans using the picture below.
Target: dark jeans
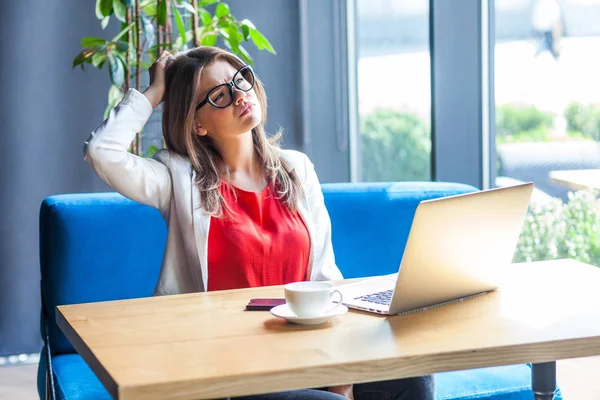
(420, 388)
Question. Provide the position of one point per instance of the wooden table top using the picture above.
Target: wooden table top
(579, 179)
(204, 345)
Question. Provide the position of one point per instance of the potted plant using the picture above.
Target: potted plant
(150, 26)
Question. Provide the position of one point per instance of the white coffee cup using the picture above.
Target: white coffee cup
(311, 299)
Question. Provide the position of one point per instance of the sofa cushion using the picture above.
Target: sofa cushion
(76, 381)
(511, 382)
(97, 247)
(370, 221)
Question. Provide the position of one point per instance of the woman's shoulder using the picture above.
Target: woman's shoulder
(295, 159)
(174, 161)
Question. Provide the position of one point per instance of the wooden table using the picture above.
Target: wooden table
(579, 179)
(205, 345)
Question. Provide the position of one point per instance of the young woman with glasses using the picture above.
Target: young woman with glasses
(240, 211)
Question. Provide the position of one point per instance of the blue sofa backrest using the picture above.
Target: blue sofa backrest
(101, 247)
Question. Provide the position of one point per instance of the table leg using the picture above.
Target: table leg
(543, 380)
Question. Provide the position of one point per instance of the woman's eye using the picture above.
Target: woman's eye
(219, 96)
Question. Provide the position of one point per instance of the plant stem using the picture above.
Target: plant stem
(127, 83)
(159, 34)
(138, 82)
(168, 25)
(195, 23)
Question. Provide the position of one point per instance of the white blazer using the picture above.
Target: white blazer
(167, 183)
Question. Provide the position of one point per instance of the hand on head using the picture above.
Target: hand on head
(156, 89)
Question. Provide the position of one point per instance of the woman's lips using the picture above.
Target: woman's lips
(247, 108)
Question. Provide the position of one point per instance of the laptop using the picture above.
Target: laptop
(456, 249)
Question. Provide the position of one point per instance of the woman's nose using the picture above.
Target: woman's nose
(239, 95)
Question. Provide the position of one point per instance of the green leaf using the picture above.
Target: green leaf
(105, 22)
(204, 3)
(117, 72)
(83, 56)
(246, 32)
(222, 10)
(225, 34)
(209, 39)
(121, 58)
(128, 3)
(162, 12)
(205, 17)
(190, 8)
(150, 9)
(123, 32)
(92, 41)
(234, 36)
(261, 42)
(120, 10)
(242, 52)
(103, 8)
(179, 44)
(222, 23)
(121, 46)
(148, 29)
(180, 25)
(98, 59)
(99, 13)
(114, 97)
(151, 150)
(248, 24)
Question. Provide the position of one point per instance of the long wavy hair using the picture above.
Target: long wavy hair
(182, 77)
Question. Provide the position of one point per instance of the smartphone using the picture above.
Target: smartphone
(263, 304)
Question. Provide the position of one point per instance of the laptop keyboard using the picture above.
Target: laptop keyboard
(383, 298)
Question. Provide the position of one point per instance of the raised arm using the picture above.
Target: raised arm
(141, 179)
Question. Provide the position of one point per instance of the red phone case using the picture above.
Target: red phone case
(263, 304)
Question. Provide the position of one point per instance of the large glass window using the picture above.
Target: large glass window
(394, 86)
(547, 88)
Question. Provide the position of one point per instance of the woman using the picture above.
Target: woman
(234, 203)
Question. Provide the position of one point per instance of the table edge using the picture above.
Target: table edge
(87, 354)
(366, 371)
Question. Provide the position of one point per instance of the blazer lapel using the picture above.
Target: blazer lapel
(200, 222)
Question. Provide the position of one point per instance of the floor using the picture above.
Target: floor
(576, 378)
(18, 382)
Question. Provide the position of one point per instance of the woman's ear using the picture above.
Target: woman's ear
(198, 129)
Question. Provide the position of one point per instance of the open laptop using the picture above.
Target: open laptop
(456, 249)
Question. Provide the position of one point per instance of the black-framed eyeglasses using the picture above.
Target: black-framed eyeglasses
(222, 96)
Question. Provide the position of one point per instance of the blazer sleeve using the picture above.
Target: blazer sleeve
(144, 180)
(324, 267)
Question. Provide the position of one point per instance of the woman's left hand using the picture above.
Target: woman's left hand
(344, 390)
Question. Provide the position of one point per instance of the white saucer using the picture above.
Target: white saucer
(283, 311)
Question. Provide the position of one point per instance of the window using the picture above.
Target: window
(547, 94)
(394, 86)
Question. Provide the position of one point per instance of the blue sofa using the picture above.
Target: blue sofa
(99, 247)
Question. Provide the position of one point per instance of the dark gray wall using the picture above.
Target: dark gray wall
(456, 80)
(278, 21)
(47, 111)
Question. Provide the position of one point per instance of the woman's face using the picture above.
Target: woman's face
(241, 116)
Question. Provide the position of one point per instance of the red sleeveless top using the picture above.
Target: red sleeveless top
(262, 244)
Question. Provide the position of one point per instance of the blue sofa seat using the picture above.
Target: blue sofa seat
(94, 247)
